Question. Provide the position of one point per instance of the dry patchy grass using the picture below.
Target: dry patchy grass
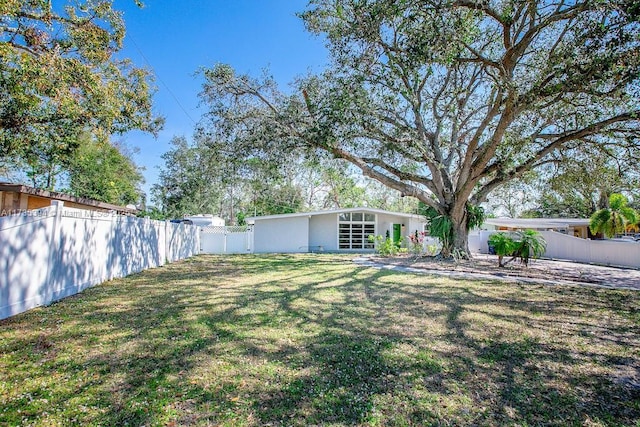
(317, 340)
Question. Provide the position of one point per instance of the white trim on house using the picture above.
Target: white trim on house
(353, 233)
(251, 220)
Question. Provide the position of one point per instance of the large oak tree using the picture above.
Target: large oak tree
(60, 77)
(447, 100)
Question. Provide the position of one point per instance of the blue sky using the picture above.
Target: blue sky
(176, 38)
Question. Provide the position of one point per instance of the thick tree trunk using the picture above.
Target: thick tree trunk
(603, 201)
(459, 244)
(461, 240)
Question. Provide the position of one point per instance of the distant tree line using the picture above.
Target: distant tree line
(208, 176)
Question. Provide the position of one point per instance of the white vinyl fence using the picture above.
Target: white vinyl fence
(55, 252)
(226, 240)
(564, 247)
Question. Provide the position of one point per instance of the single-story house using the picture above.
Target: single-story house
(339, 230)
(18, 198)
(577, 227)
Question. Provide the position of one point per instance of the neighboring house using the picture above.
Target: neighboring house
(340, 230)
(205, 220)
(18, 198)
(576, 227)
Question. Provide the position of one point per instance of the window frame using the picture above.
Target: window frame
(364, 227)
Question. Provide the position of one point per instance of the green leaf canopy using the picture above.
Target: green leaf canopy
(60, 76)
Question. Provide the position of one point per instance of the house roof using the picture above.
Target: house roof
(24, 189)
(537, 222)
(251, 220)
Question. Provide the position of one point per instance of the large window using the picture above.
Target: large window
(354, 229)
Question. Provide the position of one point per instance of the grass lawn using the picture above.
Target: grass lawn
(317, 340)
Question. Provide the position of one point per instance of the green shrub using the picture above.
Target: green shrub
(385, 246)
(503, 244)
(529, 244)
(521, 244)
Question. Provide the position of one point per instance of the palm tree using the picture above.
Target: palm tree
(521, 244)
(612, 220)
(529, 244)
(503, 244)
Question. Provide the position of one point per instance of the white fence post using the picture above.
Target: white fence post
(162, 241)
(167, 241)
(55, 251)
(114, 246)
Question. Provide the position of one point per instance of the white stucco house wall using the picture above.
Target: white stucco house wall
(339, 230)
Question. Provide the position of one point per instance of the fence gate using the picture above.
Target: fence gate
(226, 240)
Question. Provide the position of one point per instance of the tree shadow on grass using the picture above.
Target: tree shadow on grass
(519, 378)
(318, 343)
(345, 372)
